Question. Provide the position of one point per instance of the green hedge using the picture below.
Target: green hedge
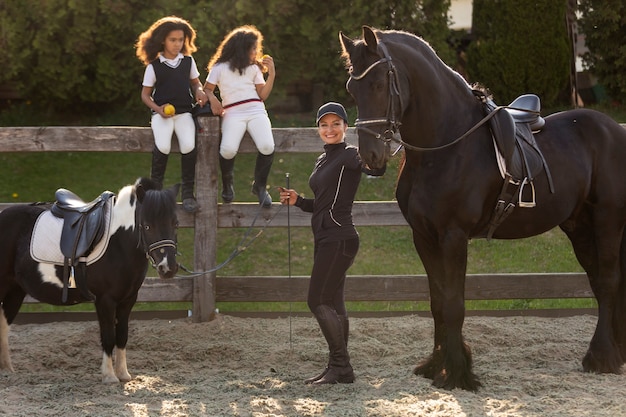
(520, 47)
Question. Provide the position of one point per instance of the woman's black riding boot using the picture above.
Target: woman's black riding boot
(227, 166)
(339, 369)
(261, 172)
(159, 163)
(345, 324)
(188, 168)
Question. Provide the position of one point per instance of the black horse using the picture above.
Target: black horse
(450, 185)
(140, 224)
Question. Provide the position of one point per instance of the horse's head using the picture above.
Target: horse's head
(374, 84)
(158, 223)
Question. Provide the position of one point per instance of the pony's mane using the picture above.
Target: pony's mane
(158, 204)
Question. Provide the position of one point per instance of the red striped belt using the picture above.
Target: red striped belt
(250, 100)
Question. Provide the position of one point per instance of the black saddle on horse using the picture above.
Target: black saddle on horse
(83, 227)
(512, 131)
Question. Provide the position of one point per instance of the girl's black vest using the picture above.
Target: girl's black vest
(172, 85)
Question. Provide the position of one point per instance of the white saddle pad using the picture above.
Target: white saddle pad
(45, 242)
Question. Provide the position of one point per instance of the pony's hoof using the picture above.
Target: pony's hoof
(110, 379)
(125, 378)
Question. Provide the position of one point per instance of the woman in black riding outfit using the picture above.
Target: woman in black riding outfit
(334, 182)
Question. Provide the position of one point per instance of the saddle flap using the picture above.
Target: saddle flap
(503, 129)
(83, 223)
(80, 232)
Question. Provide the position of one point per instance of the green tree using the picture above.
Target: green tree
(518, 48)
(603, 23)
(70, 55)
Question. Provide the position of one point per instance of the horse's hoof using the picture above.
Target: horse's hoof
(608, 365)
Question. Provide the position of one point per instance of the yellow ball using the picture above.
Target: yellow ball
(169, 110)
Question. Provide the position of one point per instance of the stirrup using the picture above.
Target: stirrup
(526, 204)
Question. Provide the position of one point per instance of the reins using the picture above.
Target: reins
(390, 118)
(244, 243)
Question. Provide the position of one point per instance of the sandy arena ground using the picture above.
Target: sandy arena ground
(255, 367)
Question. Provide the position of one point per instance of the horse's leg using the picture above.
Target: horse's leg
(121, 338)
(445, 261)
(598, 252)
(619, 330)
(105, 308)
(11, 303)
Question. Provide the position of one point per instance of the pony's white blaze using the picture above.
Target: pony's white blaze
(5, 357)
(48, 274)
(123, 215)
(163, 265)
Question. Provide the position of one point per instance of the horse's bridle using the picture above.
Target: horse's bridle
(391, 119)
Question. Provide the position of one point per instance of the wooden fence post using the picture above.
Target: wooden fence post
(205, 232)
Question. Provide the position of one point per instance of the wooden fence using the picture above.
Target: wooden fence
(205, 290)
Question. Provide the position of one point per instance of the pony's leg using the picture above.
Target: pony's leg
(445, 260)
(105, 308)
(121, 338)
(10, 306)
(5, 355)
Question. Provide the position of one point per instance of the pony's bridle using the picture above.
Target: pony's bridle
(391, 120)
(158, 245)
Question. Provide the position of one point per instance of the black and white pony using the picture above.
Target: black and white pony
(140, 223)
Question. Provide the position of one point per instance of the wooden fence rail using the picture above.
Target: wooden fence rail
(205, 290)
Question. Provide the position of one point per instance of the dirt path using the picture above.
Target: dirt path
(248, 367)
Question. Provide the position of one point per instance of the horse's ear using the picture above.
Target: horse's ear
(370, 39)
(347, 44)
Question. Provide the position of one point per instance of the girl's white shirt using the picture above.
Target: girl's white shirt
(149, 77)
(236, 87)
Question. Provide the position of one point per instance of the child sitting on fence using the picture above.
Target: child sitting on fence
(236, 69)
(170, 77)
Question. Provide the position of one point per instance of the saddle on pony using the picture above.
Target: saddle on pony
(82, 227)
(519, 158)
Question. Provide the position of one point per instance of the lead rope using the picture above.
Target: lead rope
(289, 260)
(244, 243)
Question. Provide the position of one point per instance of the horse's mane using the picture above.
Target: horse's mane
(388, 36)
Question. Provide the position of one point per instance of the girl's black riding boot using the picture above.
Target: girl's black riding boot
(159, 163)
(188, 168)
(339, 369)
(227, 166)
(261, 172)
